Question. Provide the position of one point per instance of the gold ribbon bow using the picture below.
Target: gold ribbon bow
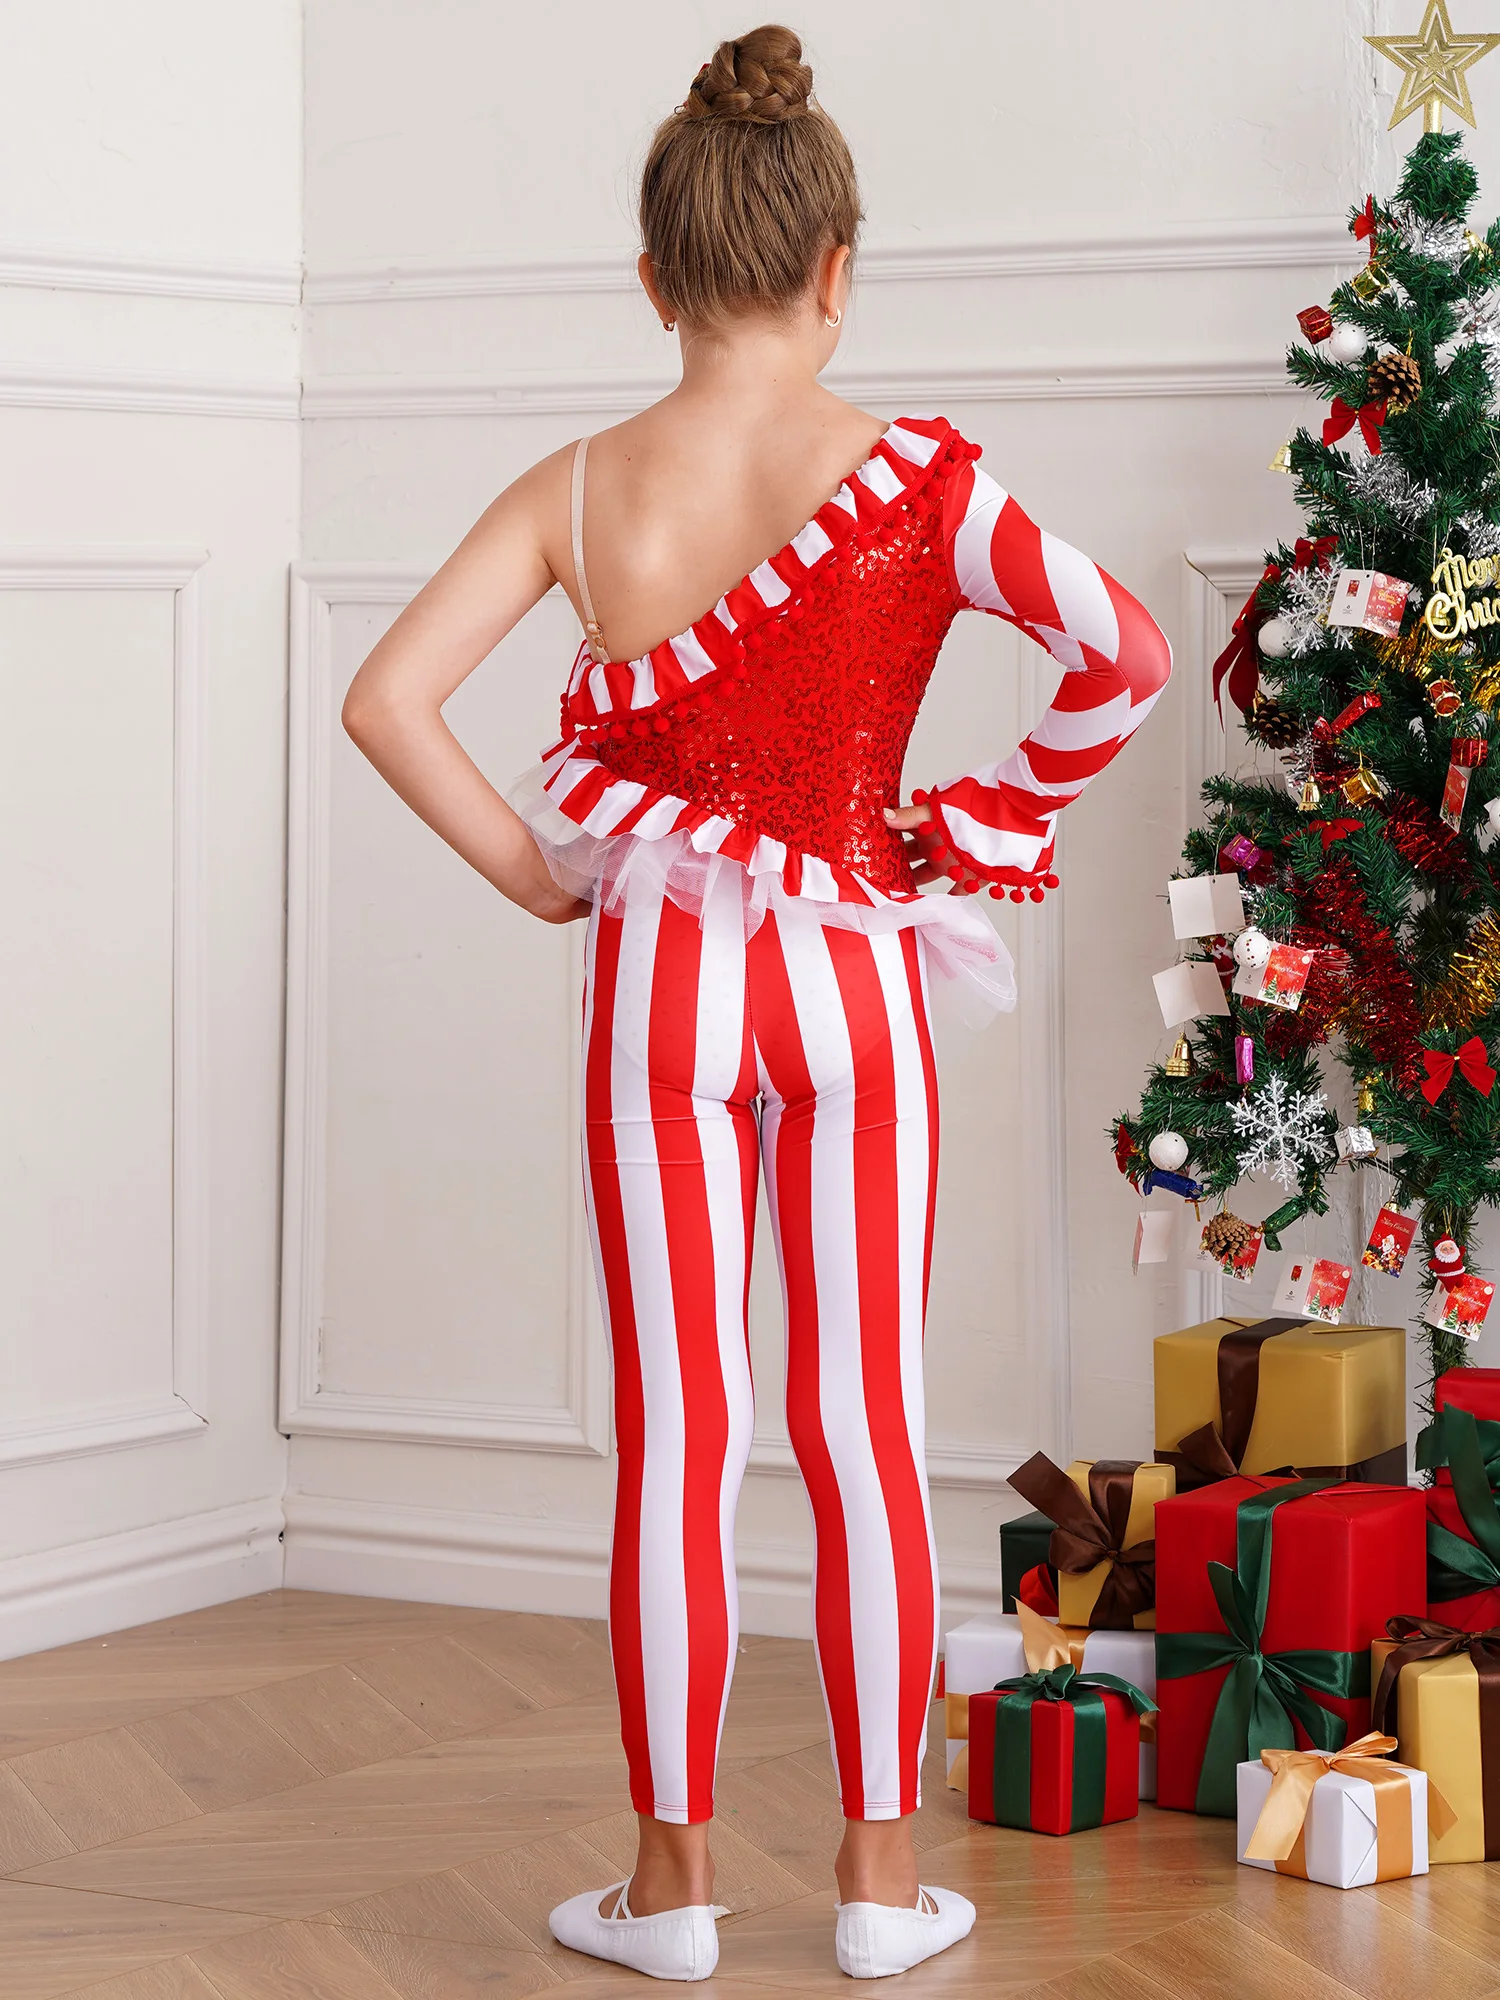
(1280, 1830)
(1046, 1646)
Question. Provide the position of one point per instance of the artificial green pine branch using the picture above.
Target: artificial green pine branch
(1401, 891)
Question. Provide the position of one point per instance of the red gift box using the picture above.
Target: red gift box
(1481, 1610)
(1476, 1390)
(1341, 1559)
(1049, 1806)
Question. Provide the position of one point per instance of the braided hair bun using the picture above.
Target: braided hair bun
(747, 185)
(761, 78)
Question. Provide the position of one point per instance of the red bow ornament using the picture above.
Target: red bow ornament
(1306, 553)
(1472, 1063)
(1363, 224)
(1238, 659)
(1369, 417)
(1334, 829)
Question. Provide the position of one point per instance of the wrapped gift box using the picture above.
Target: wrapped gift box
(1446, 1719)
(1024, 1542)
(1307, 1575)
(1463, 1513)
(1272, 1395)
(1054, 1755)
(1474, 1610)
(1476, 1390)
(1104, 1509)
(1366, 1824)
(992, 1648)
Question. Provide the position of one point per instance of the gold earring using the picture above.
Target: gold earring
(837, 319)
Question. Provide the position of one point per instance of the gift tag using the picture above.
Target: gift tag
(1390, 1240)
(1315, 1287)
(1368, 600)
(1461, 1306)
(1185, 991)
(1153, 1237)
(1206, 905)
(1238, 1263)
(1455, 791)
(1281, 981)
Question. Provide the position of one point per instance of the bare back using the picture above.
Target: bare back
(685, 499)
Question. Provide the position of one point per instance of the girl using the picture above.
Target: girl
(722, 807)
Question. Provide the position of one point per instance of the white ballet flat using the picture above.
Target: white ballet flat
(674, 1944)
(875, 1940)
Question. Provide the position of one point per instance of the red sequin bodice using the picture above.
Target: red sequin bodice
(805, 739)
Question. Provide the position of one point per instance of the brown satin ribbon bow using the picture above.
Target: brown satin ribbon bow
(1092, 1531)
(1278, 1834)
(1219, 1452)
(1425, 1639)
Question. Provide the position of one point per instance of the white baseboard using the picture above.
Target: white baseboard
(60, 1595)
(427, 1555)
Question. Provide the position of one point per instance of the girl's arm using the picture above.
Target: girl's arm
(994, 826)
(394, 707)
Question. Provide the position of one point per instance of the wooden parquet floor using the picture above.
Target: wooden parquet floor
(306, 1797)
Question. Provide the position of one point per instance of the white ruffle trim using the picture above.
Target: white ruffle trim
(976, 972)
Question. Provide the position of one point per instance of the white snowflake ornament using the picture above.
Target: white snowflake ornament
(1286, 1129)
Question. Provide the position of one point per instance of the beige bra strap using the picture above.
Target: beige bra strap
(595, 637)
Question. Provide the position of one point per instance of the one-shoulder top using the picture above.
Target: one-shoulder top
(769, 737)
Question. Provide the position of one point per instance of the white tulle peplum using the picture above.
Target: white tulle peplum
(975, 972)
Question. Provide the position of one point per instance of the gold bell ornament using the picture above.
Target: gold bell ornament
(1180, 1061)
(1366, 1101)
(1311, 797)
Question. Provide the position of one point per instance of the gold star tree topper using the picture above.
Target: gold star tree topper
(1434, 64)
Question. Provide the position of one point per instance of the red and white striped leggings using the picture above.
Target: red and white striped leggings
(810, 1047)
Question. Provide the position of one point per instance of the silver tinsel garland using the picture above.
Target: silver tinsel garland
(1484, 536)
(1383, 479)
(1442, 240)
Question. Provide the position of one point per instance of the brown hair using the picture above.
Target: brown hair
(746, 184)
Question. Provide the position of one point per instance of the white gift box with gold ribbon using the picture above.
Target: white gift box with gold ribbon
(1345, 1819)
(995, 1647)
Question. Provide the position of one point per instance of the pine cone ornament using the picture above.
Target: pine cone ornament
(1276, 725)
(1395, 380)
(1225, 1235)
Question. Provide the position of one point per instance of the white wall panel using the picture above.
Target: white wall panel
(435, 1278)
(86, 1253)
(150, 256)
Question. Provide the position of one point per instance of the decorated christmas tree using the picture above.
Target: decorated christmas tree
(1339, 997)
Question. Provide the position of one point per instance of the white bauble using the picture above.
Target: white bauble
(1347, 344)
(1274, 638)
(1251, 949)
(1169, 1151)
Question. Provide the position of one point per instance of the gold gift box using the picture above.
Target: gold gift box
(1077, 1595)
(1437, 1729)
(1327, 1395)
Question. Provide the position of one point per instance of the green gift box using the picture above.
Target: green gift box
(1023, 1544)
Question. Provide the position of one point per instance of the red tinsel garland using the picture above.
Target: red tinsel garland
(1420, 837)
(1379, 1000)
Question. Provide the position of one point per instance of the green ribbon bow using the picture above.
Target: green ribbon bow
(1085, 1693)
(1471, 1447)
(1263, 1692)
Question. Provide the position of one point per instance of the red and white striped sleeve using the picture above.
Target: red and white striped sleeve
(995, 825)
